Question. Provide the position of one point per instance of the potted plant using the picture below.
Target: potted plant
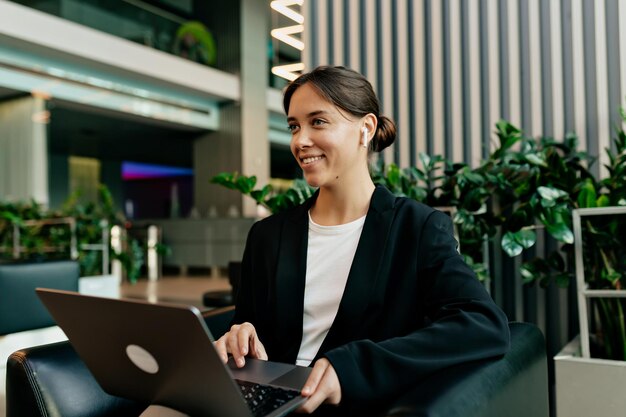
(591, 368)
(42, 236)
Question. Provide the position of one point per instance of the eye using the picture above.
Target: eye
(292, 128)
(318, 122)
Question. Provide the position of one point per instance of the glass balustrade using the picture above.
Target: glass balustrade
(171, 30)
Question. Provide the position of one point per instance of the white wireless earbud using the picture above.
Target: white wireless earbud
(364, 137)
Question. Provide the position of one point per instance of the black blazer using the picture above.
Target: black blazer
(411, 305)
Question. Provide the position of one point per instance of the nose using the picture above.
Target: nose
(302, 139)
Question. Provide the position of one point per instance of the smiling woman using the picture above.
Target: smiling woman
(365, 287)
(334, 117)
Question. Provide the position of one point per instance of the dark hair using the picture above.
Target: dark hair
(350, 91)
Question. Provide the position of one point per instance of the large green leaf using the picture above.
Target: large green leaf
(260, 195)
(562, 280)
(587, 195)
(526, 238)
(551, 193)
(510, 245)
(528, 273)
(245, 184)
(393, 176)
(536, 159)
(561, 232)
(603, 201)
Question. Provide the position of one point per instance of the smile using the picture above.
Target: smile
(311, 159)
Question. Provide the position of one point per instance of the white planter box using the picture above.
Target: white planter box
(100, 285)
(588, 387)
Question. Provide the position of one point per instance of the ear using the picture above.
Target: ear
(370, 122)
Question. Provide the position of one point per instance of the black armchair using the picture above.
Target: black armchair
(51, 381)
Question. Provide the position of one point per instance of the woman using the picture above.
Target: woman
(365, 286)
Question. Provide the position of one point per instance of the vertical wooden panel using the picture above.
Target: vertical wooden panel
(613, 66)
(370, 31)
(456, 82)
(474, 88)
(515, 111)
(419, 75)
(494, 68)
(558, 123)
(436, 101)
(308, 54)
(322, 32)
(578, 67)
(602, 88)
(403, 84)
(338, 31)
(386, 56)
(354, 29)
(536, 102)
(622, 52)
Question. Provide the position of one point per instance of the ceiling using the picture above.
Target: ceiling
(107, 135)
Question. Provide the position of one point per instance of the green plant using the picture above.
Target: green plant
(91, 219)
(438, 182)
(525, 188)
(538, 186)
(604, 250)
(535, 183)
(53, 242)
(37, 239)
(274, 200)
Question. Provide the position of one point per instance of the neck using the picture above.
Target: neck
(343, 203)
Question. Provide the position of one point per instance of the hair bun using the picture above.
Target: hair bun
(385, 133)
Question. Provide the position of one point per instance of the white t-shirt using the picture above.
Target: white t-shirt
(330, 253)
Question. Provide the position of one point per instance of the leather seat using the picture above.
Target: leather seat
(51, 380)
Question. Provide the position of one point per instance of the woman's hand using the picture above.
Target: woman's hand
(240, 341)
(322, 386)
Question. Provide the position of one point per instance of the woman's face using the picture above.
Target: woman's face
(324, 139)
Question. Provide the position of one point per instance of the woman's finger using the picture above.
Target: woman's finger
(327, 388)
(257, 350)
(240, 341)
(220, 347)
(310, 386)
(234, 347)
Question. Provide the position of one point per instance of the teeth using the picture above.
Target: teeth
(311, 159)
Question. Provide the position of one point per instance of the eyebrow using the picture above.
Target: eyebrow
(312, 114)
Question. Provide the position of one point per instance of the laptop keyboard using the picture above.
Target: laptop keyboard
(263, 399)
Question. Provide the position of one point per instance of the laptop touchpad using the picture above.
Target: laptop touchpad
(293, 379)
(260, 372)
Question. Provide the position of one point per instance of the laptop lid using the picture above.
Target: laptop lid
(157, 354)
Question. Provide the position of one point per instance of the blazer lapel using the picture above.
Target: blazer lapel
(290, 282)
(365, 270)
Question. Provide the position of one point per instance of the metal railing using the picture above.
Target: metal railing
(69, 221)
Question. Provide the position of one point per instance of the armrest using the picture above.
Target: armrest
(515, 385)
(51, 380)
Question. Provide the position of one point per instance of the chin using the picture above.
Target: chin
(313, 181)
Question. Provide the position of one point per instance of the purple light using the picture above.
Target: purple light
(140, 171)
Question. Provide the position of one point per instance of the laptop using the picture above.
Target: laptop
(163, 354)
